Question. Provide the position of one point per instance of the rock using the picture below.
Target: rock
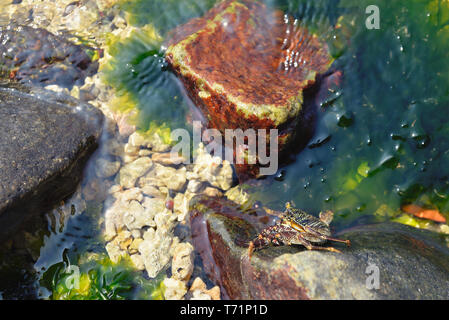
(106, 4)
(198, 295)
(212, 192)
(156, 144)
(138, 261)
(153, 142)
(137, 234)
(135, 217)
(194, 186)
(125, 196)
(240, 196)
(173, 179)
(136, 140)
(131, 172)
(114, 252)
(96, 189)
(114, 147)
(145, 153)
(210, 169)
(127, 203)
(181, 206)
(412, 263)
(199, 291)
(167, 159)
(113, 221)
(106, 168)
(156, 246)
(198, 284)
(39, 57)
(134, 247)
(165, 220)
(45, 143)
(131, 150)
(182, 263)
(174, 289)
(246, 66)
(152, 191)
(124, 239)
(123, 120)
(214, 293)
(129, 158)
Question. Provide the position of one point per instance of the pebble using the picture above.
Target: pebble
(131, 172)
(173, 179)
(105, 168)
(135, 216)
(199, 295)
(182, 264)
(199, 291)
(174, 289)
(155, 251)
(138, 261)
(167, 159)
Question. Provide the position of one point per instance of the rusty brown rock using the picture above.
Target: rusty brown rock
(247, 67)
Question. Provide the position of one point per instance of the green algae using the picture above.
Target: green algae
(164, 14)
(137, 72)
(96, 277)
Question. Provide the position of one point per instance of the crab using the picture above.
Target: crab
(297, 227)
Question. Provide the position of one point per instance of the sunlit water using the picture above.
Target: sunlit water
(381, 138)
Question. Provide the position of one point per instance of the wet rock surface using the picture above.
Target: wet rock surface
(247, 67)
(46, 140)
(34, 55)
(412, 263)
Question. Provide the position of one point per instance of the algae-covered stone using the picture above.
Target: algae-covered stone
(246, 66)
(385, 261)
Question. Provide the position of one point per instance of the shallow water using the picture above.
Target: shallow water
(381, 138)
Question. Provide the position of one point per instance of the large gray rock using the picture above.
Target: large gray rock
(411, 263)
(44, 143)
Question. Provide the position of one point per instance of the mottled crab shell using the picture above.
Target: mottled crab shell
(310, 227)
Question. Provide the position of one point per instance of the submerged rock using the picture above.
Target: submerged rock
(31, 55)
(133, 171)
(46, 140)
(411, 263)
(247, 67)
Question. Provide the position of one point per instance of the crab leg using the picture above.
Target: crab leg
(348, 243)
(301, 241)
(250, 249)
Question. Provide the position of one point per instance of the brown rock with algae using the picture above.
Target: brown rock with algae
(246, 67)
